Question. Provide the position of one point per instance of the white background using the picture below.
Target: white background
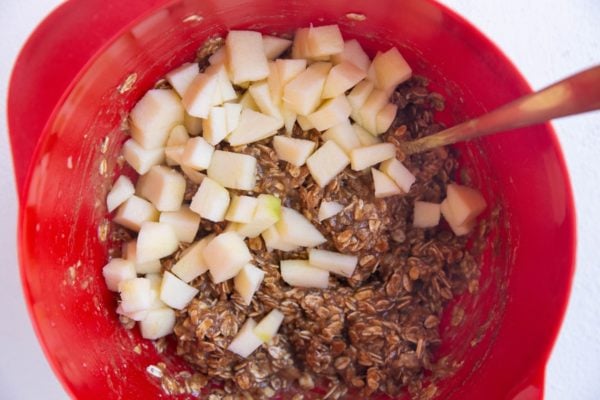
(546, 39)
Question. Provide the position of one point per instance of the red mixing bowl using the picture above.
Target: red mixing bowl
(91, 60)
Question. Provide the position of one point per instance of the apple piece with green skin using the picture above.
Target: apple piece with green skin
(328, 209)
(458, 229)
(299, 273)
(303, 93)
(343, 135)
(330, 113)
(247, 282)
(245, 342)
(241, 209)
(384, 185)
(191, 264)
(116, 271)
(136, 295)
(323, 41)
(261, 94)
(385, 118)
(365, 157)
(153, 117)
(274, 242)
(176, 293)
(253, 126)
(399, 173)
(155, 240)
(337, 263)
(181, 77)
(121, 190)
(466, 203)
(142, 159)
(225, 256)
(295, 228)
(197, 154)
(364, 137)
(163, 187)
(211, 201)
(353, 53)
(325, 163)
(134, 212)
(233, 112)
(391, 69)
(295, 151)
(198, 98)
(246, 56)
(184, 222)
(214, 127)
(129, 252)
(274, 46)
(233, 170)
(341, 78)
(157, 323)
(266, 214)
(426, 214)
(267, 328)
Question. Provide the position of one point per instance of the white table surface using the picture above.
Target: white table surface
(546, 39)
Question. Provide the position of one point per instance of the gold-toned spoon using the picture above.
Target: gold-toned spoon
(574, 95)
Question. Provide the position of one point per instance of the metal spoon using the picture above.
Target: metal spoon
(574, 95)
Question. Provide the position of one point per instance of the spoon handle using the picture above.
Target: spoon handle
(574, 95)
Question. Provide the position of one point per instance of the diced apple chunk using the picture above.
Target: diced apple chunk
(155, 240)
(210, 201)
(116, 271)
(218, 57)
(295, 151)
(364, 157)
(384, 185)
(176, 293)
(330, 113)
(273, 240)
(135, 315)
(426, 214)
(275, 46)
(134, 212)
(121, 190)
(367, 113)
(192, 124)
(296, 229)
(241, 209)
(300, 48)
(328, 209)
(233, 170)
(341, 78)
(245, 342)
(136, 295)
(275, 87)
(303, 93)
(300, 273)
(184, 222)
(254, 126)
(304, 122)
(130, 253)
(325, 163)
(158, 323)
(232, 115)
(267, 328)
(173, 155)
(225, 91)
(191, 264)
(289, 118)
(354, 54)
(214, 128)
(267, 213)
(225, 255)
(343, 135)
(178, 136)
(247, 102)
(288, 69)
(262, 97)
(365, 138)
(197, 154)
(163, 186)
(399, 173)
(198, 98)
(246, 55)
(458, 229)
(181, 77)
(325, 41)
(358, 96)
(247, 282)
(142, 159)
(385, 118)
(337, 263)
(391, 69)
(466, 203)
(193, 175)
(153, 117)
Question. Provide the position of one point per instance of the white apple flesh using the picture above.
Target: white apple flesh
(365, 157)
(197, 154)
(142, 159)
(157, 323)
(176, 293)
(163, 187)
(266, 214)
(328, 209)
(245, 342)
(267, 328)
(233, 170)
(129, 252)
(253, 126)
(211, 201)
(384, 185)
(295, 151)
(246, 56)
(121, 190)
(191, 264)
(153, 117)
(181, 77)
(399, 173)
(247, 282)
(155, 240)
(426, 214)
(299, 273)
(325, 163)
(134, 212)
(116, 271)
(337, 263)
(136, 295)
(225, 256)
(184, 222)
(294, 228)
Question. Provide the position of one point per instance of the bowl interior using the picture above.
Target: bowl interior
(527, 262)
